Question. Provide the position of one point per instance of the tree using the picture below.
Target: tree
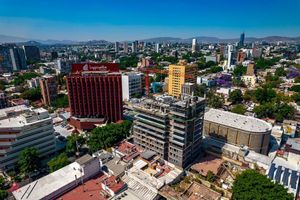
(32, 94)
(109, 135)
(61, 101)
(211, 177)
(280, 71)
(262, 63)
(2, 182)
(215, 69)
(58, 162)
(251, 185)
(20, 79)
(215, 101)
(29, 160)
(279, 111)
(73, 142)
(236, 96)
(239, 109)
(295, 88)
(263, 95)
(239, 70)
(200, 90)
(3, 194)
(296, 98)
(297, 80)
(248, 95)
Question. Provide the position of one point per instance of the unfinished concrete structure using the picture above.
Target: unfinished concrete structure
(170, 127)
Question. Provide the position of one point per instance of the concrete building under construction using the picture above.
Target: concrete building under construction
(170, 127)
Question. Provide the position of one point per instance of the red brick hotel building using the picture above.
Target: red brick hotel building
(95, 94)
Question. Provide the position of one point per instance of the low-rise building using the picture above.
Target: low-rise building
(238, 130)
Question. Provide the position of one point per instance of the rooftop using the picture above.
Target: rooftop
(48, 184)
(237, 121)
(208, 163)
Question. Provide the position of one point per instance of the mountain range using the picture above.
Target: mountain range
(202, 39)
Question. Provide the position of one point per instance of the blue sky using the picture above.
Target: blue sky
(139, 19)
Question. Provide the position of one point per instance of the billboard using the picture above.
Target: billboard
(105, 67)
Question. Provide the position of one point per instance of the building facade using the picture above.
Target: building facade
(131, 85)
(237, 130)
(22, 127)
(170, 127)
(48, 87)
(180, 74)
(12, 58)
(95, 94)
(32, 53)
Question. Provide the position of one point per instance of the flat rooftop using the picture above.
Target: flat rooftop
(237, 121)
(208, 163)
(48, 184)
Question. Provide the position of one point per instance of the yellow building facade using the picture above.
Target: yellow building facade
(180, 74)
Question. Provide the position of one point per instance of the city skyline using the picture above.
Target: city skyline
(118, 20)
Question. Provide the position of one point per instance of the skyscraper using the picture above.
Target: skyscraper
(194, 45)
(117, 47)
(242, 39)
(157, 47)
(229, 55)
(32, 53)
(125, 47)
(12, 58)
(95, 94)
(134, 46)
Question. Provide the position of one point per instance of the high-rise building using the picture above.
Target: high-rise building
(22, 127)
(117, 47)
(125, 47)
(95, 94)
(194, 45)
(134, 46)
(131, 85)
(63, 66)
(48, 87)
(12, 58)
(32, 53)
(54, 55)
(170, 127)
(180, 74)
(229, 56)
(242, 39)
(157, 47)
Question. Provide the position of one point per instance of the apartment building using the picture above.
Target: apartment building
(22, 127)
(131, 85)
(170, 127)
(180, 74)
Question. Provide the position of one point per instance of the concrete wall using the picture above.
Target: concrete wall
(258, 142)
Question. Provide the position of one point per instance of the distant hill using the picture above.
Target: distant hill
(201, 39)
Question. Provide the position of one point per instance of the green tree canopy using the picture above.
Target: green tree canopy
(73, 142)
(107, 136)
(29, 160)
(3, 194)
(279, 111)
(200, 90)
(239, 109)
(280, 71)
(214, 101)
(21, 78)
(251, 185)
(61, 101)
(239, 70)
(236, 96)
(58, 162)
(263, 63)
(32, 94)
(295, 88)
(263, 95)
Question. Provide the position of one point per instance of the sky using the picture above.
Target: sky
(118, 20)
